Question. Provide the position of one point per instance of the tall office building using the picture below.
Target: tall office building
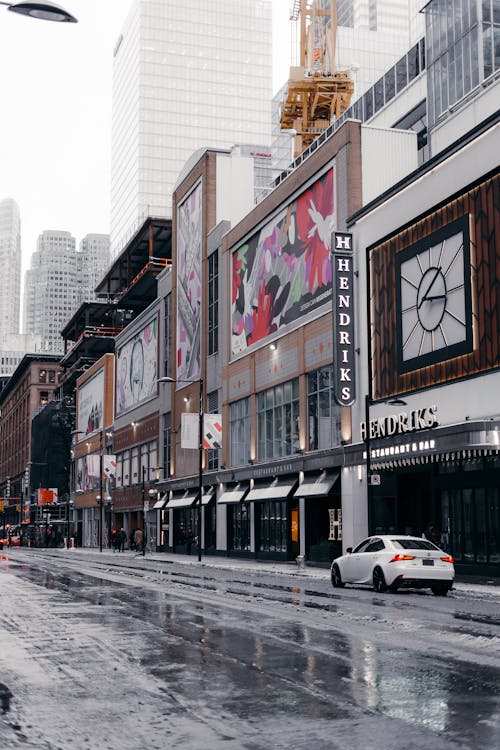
(187, 74)
(10, 268)
(92, 262)
(51, 289)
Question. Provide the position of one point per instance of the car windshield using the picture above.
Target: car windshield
(413, 544)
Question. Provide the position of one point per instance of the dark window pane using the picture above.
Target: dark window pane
(368, 105)
(390, 84)
(401, 74)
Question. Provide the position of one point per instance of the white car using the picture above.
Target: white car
(395, 561)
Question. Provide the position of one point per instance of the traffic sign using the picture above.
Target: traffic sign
(375, 479)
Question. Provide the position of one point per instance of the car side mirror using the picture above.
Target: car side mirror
(349, 550)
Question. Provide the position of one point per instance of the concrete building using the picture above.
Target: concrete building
(15, 346)
(29, 389)
(92, 262)
(10, 268)
(187, 74)
(51, 288)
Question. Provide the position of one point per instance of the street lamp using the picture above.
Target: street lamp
(46, 11)
(167, 379)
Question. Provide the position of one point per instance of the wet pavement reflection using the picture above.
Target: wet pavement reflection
(218, 659)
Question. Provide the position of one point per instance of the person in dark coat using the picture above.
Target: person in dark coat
(121, 540)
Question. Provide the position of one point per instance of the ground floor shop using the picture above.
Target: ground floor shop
(275, 518)
(457, 501)
(446, 485)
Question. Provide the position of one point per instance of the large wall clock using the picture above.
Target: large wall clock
(433, 298)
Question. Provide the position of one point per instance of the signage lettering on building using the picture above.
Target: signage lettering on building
(343, 320)
(399, 424)
(335, 524)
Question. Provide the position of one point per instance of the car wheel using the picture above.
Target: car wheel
(337, 581)
(379, 583)
(439, 590)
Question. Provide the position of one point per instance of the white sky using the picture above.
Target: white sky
(55, 121)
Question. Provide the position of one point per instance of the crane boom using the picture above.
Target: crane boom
(317, 93)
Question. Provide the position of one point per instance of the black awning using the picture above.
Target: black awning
(183, 499)
(317, 485)
(161, 502)
(272, 489)
(234, 493)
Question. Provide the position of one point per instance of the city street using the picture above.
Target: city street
(119, 651)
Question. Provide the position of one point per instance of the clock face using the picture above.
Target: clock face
(434, 298)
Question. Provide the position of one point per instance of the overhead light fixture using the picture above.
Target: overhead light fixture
(46, 11)
(273, 347)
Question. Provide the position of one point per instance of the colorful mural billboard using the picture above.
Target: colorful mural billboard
(189, 221)
(90, 405)
(284, 271)
(137, 368)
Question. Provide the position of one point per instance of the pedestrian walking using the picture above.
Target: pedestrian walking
(122, 540)
(139, 541)
(114, 540)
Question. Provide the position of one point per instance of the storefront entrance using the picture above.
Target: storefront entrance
(457, 501)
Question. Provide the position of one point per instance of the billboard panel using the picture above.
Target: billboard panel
(189, 223)
(284, 272)
(137, 368)
(90, 404)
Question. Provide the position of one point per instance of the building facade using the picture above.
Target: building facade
(187, 74)
(93, 463)
(27, 391)
(51, 288)
(92, 262)
(10, 268)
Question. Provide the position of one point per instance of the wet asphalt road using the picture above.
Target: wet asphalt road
(127, 653)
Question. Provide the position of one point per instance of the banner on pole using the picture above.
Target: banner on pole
(190, 430)
(212, 431)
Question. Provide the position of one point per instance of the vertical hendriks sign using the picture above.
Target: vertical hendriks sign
(343, 320)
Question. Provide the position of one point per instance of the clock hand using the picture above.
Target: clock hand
(425, 297)
(436, 296)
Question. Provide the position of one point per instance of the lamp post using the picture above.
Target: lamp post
(167, 379)
(46, 11)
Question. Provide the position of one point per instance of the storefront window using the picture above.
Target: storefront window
(239, 526)
(278, 421)
(185, 526)
(134, 465)
(119, 470)
(494, 524)
(126, 468)
(323, 414)
(152, 448)
(273, 526)
(239, 427)
(144, 471)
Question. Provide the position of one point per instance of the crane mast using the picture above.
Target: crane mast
(316, 93)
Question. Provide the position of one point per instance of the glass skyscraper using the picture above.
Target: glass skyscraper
(187, 74)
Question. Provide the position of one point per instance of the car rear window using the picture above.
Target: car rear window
(414, 544)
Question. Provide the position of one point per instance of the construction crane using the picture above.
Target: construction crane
(317, 93)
